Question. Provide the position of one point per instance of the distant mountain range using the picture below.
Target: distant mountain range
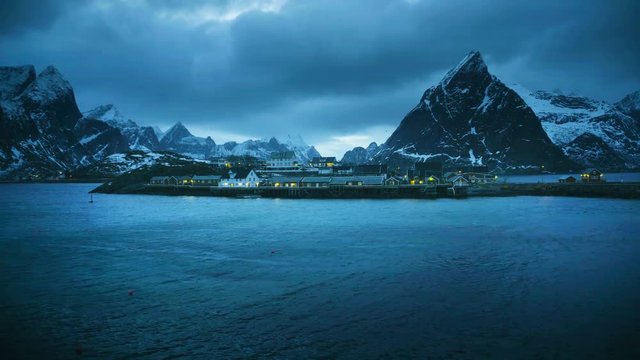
(471, 118)
(43, 133)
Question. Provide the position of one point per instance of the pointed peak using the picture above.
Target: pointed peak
(177, 131)
(471, 66)
(274, 141)
(295, 140)
(50, 70)
(109, 114)
(49, 85)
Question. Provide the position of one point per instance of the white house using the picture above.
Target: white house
(283, 161)
(240, 178)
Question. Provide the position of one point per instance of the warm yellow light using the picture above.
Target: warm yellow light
(277, 184)
(421, 182)
(412, 182)
(430, 178)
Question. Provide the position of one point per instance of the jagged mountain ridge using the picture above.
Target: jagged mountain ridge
(359, 155)
(44, 134)
(566, 118)
(179, 139)
(471, 117)
(37, 117)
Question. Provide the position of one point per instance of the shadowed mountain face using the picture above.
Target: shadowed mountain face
(590, 150)
(472, 118)
(579, 126)
(360, 155)
(42, 132)
(37, 117)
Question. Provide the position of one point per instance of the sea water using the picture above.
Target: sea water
(132, 276)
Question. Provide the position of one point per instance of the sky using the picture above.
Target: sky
(340, 73)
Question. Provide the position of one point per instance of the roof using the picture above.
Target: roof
(316, 179)
(286, 179)
(366, 180)
(589, 170)
(567, 177)
(239, 173)
(458, 177)
(287, 155)
(207, 177)
(159, 178)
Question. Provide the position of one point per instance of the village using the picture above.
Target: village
(284, 175)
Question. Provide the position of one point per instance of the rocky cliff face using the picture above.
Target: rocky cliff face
(572, 121)
(37, 117)
(143, 138)
(359, 155)
(180, 140)
(43, 134)
(472, 118)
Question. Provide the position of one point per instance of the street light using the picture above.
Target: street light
(542, 174)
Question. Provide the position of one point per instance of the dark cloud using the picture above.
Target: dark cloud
(22, 15)
(320, 68)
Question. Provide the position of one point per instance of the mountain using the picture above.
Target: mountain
(142, 138)
(37, 118)
(359, 155)
(43, 134)
(472, 118)
(120, 163)
(180, 140)
(566, 118)
(590, 150)
(630, 105)
(262, 149)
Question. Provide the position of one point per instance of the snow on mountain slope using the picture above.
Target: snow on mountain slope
(471, 118)
(120, 163)
(565, 118)
(630, 105)
(141, 138)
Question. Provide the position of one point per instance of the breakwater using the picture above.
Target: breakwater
(606, 190)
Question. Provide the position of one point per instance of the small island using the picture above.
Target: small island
(325, 178)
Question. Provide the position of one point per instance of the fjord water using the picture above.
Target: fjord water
(156, 277)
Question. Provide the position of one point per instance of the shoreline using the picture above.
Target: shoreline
(619, 190)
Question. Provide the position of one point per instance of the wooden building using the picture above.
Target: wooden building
(315, 181)
(206, 180)
(568, 179)
(592, 175)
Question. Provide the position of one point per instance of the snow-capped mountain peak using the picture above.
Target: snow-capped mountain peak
(177, 131)
(48, 86)
(630, 105)
(472, 67)
(573, 123)
(107, 113)
(294, 140)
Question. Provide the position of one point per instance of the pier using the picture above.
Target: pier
(607, 190)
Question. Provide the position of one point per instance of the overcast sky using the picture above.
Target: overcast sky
(340, 73)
